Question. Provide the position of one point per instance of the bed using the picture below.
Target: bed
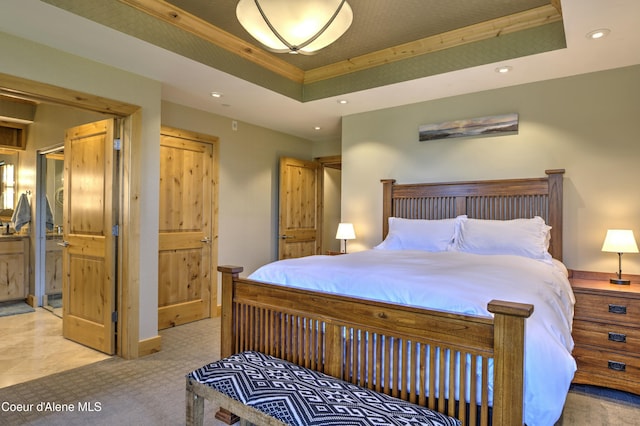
(464, 356)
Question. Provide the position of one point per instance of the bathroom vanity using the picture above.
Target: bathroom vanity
(14, 267)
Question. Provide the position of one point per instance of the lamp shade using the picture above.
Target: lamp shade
(620, 241)
(345, 232)
(295, 26)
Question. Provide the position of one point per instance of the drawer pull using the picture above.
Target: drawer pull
(618, 337)
(618, 309)
(617, 366)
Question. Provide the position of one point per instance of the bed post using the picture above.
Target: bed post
(555, 211)
(227, 337)
(508, 359)
(387, 204)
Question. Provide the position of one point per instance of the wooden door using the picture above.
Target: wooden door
(299, 224)
(186, 290)
(89, 254)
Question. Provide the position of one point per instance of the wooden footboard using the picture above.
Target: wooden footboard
(437, 359)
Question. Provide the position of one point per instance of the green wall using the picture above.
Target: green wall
(585, 124)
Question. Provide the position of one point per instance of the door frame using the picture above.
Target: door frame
(323, 163)
(40, 231)
(329, 162)
(128, 325)
(306, 234)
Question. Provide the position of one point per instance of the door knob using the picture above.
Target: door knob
(64, 244)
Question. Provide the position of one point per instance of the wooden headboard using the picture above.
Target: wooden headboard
(489, 199)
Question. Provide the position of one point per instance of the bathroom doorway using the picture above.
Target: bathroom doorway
(49, 208)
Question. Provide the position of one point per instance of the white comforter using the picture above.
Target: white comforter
(465, 283)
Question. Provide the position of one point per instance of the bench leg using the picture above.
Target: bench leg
(195, 408)
(226, 416)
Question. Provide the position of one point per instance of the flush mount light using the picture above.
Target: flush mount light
(292, 26)
(598, 34)
(504, 69)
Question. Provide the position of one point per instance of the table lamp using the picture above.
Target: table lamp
(345, 232)
(620, 241)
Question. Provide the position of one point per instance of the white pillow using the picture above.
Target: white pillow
(521, 237)
(419, 234)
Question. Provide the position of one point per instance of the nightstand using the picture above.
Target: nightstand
(606, 331)
(335, 253)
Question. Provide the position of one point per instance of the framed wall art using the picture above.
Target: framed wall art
(483, 126)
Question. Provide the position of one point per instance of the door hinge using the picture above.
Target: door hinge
(114, 316)
(115, 230)
(117, 144)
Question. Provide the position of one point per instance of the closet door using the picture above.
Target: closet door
(89, 253)
(187, 240)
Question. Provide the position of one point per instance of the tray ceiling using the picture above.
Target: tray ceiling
(386, 43)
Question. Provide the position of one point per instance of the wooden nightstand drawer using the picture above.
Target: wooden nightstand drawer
(612, 337)
(619, 310)
(609, 369)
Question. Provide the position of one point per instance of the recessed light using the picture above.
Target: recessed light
(599, 33)
(317, 128)
(216, 94)
(504, 69)
(343, 101)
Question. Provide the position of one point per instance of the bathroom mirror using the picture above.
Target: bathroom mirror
(54, 190)
(8, 184)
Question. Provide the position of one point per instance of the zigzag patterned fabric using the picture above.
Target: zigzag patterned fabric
(298, 396)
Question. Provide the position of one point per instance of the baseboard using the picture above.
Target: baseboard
(149, 346)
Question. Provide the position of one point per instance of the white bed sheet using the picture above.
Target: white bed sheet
(464, 283)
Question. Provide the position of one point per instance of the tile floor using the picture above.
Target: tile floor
(32, 346)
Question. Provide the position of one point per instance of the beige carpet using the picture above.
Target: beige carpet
(147, 391)
(150, 391)
(593, 409)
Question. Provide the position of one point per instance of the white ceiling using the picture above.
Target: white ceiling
(243, 101)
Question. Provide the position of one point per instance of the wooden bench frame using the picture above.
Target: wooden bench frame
(211, 381)
(197, 393)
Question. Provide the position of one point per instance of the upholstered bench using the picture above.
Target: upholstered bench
(265, 390)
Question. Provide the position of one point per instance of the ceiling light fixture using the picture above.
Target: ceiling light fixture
(216, 94)
(295, 26)
(597, 34)
(504, 69)
(343, 101)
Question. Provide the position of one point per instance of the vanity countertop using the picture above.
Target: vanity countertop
(10, 237)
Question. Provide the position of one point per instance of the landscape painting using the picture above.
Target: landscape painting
(483, 126)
